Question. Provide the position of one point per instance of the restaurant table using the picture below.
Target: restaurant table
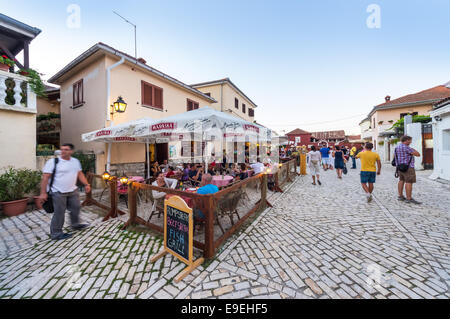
(137, 179)
(221, 181)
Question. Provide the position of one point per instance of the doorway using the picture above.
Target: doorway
(427, 146)
(162, 152)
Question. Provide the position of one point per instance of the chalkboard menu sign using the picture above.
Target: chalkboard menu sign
(177, 224)
(179, 235)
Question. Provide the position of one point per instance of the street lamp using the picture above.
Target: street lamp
(120, 106)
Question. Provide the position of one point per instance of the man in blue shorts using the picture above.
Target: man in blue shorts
(368, 169)
(325, 152)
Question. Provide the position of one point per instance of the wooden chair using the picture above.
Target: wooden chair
(157, 205)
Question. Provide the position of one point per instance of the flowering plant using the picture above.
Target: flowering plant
(5, 60)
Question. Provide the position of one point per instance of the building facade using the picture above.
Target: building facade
(383, 116)
(230, 99)
(441, 139)
(17, 114)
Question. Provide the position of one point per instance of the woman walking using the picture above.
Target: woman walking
(339, 161)
(314, 159)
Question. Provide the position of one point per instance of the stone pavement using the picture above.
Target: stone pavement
(317, 242)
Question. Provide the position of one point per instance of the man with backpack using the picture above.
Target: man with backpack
(404, 161)
(62, 191)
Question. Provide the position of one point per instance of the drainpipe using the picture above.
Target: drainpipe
(221, 97)
(108, 113)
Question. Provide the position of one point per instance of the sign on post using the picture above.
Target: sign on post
(179, 235)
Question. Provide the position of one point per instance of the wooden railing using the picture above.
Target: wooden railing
(104, 195)
(236, 203)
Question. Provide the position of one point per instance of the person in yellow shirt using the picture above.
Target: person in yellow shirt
(353, 156)
(368, 169)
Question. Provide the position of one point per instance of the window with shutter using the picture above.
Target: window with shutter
(244, 109)
(236, 103)
(151, 95)
(78, 98)
(192, 105)
(251, 112)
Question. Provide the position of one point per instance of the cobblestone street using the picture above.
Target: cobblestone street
(317, 242)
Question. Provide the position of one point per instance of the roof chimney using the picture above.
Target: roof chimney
(447, 85)
(142, 60)
(387, 98)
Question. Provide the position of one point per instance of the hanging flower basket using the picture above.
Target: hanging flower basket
(5, 63)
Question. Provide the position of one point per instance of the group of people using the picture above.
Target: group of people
(337, 158)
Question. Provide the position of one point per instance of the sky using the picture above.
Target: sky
(309, 64)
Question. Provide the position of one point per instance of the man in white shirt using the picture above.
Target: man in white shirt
(258, 168)
(161, 181)
(64, 190)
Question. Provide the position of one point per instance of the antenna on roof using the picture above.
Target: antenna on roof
(135, 39)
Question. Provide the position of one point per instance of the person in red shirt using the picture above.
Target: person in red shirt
(170, 172)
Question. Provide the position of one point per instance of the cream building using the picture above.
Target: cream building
(229, 97)
(383, 116)
(91, 83)
(17, 114)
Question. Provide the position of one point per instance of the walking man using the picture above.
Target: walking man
(314, 158)
(64, 191)
(368, 169)
(325, 152)
(404, 155)
(353, 156)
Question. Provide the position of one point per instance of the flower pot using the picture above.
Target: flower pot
(37, 202)
(24, 73)
(15, 208)
(4, 67)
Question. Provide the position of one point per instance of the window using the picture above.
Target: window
(78, 94)
(251, 112)
(209, 94)
(236, 103)
(192, 105)
(402, 115)
(151, 95)
(244, 109)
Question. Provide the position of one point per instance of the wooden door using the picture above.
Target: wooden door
(427, 146)
(162, 152)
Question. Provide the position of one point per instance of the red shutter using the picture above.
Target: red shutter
(189, 105)
(158, 94)
(147, 95)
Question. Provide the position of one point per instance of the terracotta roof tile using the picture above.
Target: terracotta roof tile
(297, 132)
(434, 94)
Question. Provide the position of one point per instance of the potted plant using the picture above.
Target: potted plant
(14, 184)
(5, 63)
(35, 180)
(36, 83)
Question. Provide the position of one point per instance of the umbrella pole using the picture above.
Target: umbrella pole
(147, 148)
(108, 161)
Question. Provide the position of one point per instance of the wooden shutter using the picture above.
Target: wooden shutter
(251, 112)
(147, 94)
(244, 108)
(158, 94)
(190, 106)
(236, 103)
(78, 94)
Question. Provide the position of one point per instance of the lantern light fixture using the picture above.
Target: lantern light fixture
(120, 106)
(124, 180)
(106, 176)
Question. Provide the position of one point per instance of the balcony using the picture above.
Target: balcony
(385, 129)
(367, 134)
(16, 94)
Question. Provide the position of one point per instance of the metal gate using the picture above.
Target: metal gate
(427, 146)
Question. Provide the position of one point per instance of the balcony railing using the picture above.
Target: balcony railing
(16, 94)
(367, 134)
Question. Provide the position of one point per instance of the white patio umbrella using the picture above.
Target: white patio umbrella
(204, 124)
(121, 133)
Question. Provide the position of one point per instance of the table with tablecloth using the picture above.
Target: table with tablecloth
(221, 181)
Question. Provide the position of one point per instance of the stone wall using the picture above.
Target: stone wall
(128, 169)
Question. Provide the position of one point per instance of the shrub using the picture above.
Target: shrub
(16, 183)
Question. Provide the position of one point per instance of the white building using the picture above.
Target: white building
(441, 137)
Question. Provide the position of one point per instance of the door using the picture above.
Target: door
(162, 152)
(427, 147)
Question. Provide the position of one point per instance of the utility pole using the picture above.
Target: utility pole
(135, 37)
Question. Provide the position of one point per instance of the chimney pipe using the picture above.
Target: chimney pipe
(387, 98)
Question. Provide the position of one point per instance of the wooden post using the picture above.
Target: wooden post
(209, 206)
(113, 199)
(88, 199)
(132, 203)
